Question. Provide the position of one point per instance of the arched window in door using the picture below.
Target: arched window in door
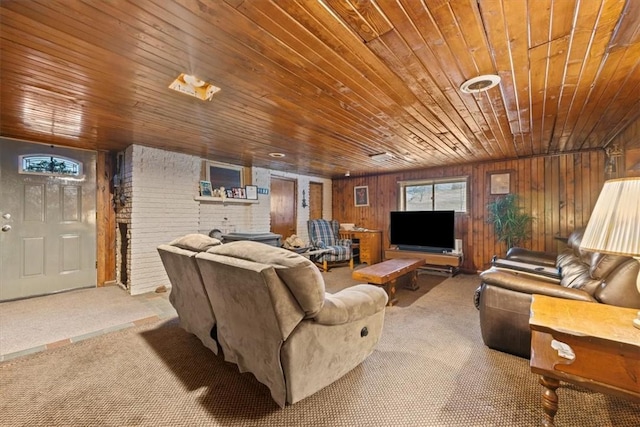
(46, 164)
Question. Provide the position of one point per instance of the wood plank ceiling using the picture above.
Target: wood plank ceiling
(327, 82)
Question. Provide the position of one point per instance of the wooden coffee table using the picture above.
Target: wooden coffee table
(387, 272)
(589, 344)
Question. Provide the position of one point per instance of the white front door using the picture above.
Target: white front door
(47, 218)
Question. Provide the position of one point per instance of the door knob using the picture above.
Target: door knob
(6, 227)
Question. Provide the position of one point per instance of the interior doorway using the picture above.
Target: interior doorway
(315, 200)
(284, 215)
(48, 219)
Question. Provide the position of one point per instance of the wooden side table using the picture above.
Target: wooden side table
(369, 243)
(589, 344)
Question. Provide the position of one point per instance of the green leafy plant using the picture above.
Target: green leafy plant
(510, 223)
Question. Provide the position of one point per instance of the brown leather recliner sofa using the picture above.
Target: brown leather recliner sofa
(504, 296)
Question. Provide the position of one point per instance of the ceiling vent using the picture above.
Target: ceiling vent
(380, 157)
(480, 83)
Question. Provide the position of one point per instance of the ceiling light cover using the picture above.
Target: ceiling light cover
(193, 80)
(277, 155)
(193, 86)
(480, 83)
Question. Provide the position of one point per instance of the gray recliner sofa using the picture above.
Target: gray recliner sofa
(188, 295)
(274, 318)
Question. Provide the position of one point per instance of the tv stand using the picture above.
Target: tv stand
(442, 263)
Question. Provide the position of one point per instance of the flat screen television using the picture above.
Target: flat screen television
(427, 231)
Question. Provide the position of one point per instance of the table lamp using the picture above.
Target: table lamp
(614, 226)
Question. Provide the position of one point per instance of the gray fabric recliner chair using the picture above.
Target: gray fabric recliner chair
(275, 320)
(188, 295)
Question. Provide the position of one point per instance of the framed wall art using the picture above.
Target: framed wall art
(500, 183)
(361, 195)
(252, 192)
(205, 188)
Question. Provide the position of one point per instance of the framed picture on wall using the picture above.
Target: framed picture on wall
(361, 195)
(252, 192)
(500, 183)
(205, 188)
(238, 193)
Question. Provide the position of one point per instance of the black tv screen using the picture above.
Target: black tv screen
(429, 231)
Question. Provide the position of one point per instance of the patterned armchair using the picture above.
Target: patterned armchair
(324, 234)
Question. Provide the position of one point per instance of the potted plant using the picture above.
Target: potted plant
(510, 223)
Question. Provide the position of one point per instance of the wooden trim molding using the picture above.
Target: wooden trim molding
(105, 220)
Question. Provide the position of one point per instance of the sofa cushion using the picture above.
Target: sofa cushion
(571, 269)
(603, 264)
(195, 242)
(565, 257)
(584, 282)
(619, 286)
(300, 275)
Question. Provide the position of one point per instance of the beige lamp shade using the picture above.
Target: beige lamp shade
(614, 226)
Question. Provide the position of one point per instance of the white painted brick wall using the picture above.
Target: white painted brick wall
(162, 208)
(162, 187)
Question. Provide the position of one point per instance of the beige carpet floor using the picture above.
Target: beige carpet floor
(34, 324)
(429, 369)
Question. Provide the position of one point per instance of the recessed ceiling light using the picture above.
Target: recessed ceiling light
(276, 155)
(480, 83)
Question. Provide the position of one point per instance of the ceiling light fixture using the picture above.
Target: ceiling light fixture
(193, 86)
(480, 83)
(378, 157)
(193, 80)
(276, 155)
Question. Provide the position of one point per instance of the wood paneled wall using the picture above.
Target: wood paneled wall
(558, 191)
